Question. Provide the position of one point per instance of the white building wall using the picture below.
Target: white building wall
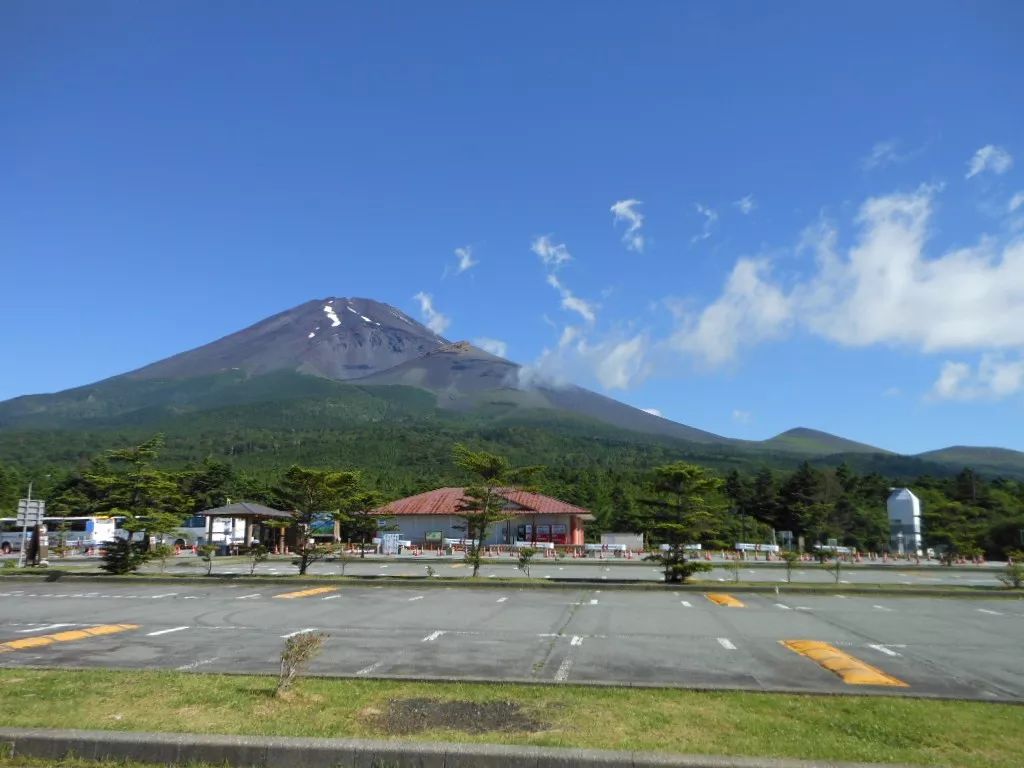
(904, 510)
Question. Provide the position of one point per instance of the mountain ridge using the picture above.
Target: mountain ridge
(381, 351)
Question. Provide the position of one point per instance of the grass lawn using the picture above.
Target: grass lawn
(876, 729)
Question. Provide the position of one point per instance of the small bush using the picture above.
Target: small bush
(790, 559)
(122, 556)
(1013, 575)
(162, 552)
(9, 565)
(525, 557)
(256, 553)
(298, 651)
(206, 553)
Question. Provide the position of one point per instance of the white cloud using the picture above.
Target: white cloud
(435, 321)
(552, 254)
(882, 154)
(995, 377)
(989, 158)
(750, 309)
(741, 417)
(892, 392)
(616, 362)
(886, 290)
(626, 210)
(746, 204)
(653, 412)
(465, 256)
(1015, 202)
(710, 219)
(494, 346)
(571, 302)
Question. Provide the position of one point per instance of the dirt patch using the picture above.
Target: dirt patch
(406, 716)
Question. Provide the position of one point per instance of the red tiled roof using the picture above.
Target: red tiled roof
(445, 501)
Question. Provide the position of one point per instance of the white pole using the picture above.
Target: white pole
(24, 527)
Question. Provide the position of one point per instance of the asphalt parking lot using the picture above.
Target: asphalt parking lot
(966, 648)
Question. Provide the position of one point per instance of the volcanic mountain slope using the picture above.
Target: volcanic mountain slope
(337, 338)
(368, 361)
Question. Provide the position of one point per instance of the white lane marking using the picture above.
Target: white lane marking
(882, 608)
(576, 640)
(992, 613)
(298, 632)
(194, 664)
(686, 604)
(48, 626)
(803, 608)
(563, 671)
(418, 597)
(331, 597)
(502, 599)
(248, 597)
(844, 582)
(168, 594)
(432, 636)
(191, 597)
(841, 597)
(883, 649)
(593, 602)
(726, 643)
(369, 669)
(783, 607)
(165, 631)
(492, 576)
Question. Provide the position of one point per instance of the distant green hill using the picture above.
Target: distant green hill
(811, 442)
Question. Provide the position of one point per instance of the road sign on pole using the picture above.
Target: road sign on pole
(30, 512)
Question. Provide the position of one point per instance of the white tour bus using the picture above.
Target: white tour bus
(73, 532)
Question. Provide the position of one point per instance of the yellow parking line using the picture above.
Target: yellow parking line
(720, 598)
(64, 637)
(306, 592)
(849, 668)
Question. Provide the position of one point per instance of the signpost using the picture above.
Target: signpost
(30, 512)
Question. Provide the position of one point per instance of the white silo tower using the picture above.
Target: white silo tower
(904, 521)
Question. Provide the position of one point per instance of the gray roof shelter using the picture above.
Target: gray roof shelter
(246, 509)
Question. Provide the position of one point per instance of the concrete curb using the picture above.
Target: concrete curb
(421, 582)
(275, 751)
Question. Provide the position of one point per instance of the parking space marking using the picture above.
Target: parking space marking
(594, 601)
(369, 669)
(882, 608)
(502, 599)
(883, 649)
(248, 597)
(576, 640)
(165, 631)
(331, 597)
(726, 643)
(685, 604)
(418, 597)
(849, 669)
(194, 664)
(991, 613)
(563, 671)
(432, 636)
(723, 599)
(43, 628)
(64, 637)
(306, 592)
(783, 607)
(298, 632)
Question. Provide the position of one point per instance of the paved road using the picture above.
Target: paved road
(949, 647)
(589, 570)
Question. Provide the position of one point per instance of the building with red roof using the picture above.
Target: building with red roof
(433, 516)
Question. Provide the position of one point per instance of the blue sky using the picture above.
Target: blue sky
(825, 228)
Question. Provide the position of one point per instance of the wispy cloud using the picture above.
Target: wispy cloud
(572, 302)
(494, 346)
(746, 204)
(552, 254)
(652, 411)
(1015, 202)
(710, 219)
(741, 417)
(466, 260)
(434, 320)
(626, 210)
(995, 377)
(883, 153)
(989, 158)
